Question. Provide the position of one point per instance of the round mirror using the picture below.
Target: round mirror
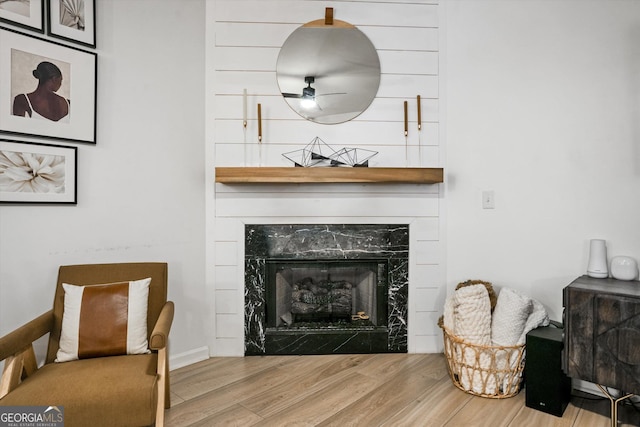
(328, 73)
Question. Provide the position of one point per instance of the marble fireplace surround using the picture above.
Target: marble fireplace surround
(382, 242)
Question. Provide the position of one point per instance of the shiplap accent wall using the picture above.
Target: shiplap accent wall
(243, 43)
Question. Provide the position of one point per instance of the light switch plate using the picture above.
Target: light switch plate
(488, 200)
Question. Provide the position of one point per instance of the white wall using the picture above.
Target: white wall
(243, 42)
(543, 100)
(140, 189)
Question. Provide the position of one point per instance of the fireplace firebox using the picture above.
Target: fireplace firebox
(338, 294)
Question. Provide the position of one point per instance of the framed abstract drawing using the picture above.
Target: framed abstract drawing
(72, 20)
(27, 14)
(47, 89)
(37, 173)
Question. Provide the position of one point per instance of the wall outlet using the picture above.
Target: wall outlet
(488, 200)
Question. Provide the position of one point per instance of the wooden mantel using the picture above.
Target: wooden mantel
(292, 175)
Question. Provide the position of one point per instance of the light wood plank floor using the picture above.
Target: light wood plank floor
(355, 390)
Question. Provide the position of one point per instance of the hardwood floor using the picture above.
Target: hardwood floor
(355, 390)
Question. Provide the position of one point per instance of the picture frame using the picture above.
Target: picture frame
(28, 15)
(33, 172)
(72, 20)
(71, 107)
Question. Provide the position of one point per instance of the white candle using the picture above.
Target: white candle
(419, 113)
(244, 107)
(259, 122)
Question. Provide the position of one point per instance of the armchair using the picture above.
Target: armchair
(112, 390)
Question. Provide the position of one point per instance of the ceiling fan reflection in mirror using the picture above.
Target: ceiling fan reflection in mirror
(308, 97)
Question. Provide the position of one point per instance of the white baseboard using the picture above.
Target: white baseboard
(188, 357)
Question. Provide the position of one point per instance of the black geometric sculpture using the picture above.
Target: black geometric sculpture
(319, 153)
(355, 157)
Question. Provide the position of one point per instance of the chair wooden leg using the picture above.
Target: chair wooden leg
(167, 385)
(11, 374)
(17, 367)
(162, 375)
(29, 363)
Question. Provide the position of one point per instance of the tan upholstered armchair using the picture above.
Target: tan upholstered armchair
(96, 389)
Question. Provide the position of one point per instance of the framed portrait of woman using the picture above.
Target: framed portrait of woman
(46, 89)
(27, 14)
(37, 173)
(72, 20)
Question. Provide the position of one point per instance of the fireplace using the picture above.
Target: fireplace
(326, 289)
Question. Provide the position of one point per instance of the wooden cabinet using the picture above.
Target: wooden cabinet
(602, 332)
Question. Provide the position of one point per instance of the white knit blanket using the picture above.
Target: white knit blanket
(448, 319)
(472, 323)
(472, 314)
(538, 317)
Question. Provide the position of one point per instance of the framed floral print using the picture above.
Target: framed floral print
(73, 20)
(27, 14)
(46, 89)
(37, 173)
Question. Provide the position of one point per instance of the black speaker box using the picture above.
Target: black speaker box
(547, 387)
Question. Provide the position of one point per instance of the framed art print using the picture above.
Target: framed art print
(27, 14)
(37, 173)
(47, 89)
(73, 20)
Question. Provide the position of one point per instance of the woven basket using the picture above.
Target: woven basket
(486, 371)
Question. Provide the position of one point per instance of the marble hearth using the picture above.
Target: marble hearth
(375, 253)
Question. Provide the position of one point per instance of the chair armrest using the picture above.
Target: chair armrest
(160, 334)
(25, 335)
